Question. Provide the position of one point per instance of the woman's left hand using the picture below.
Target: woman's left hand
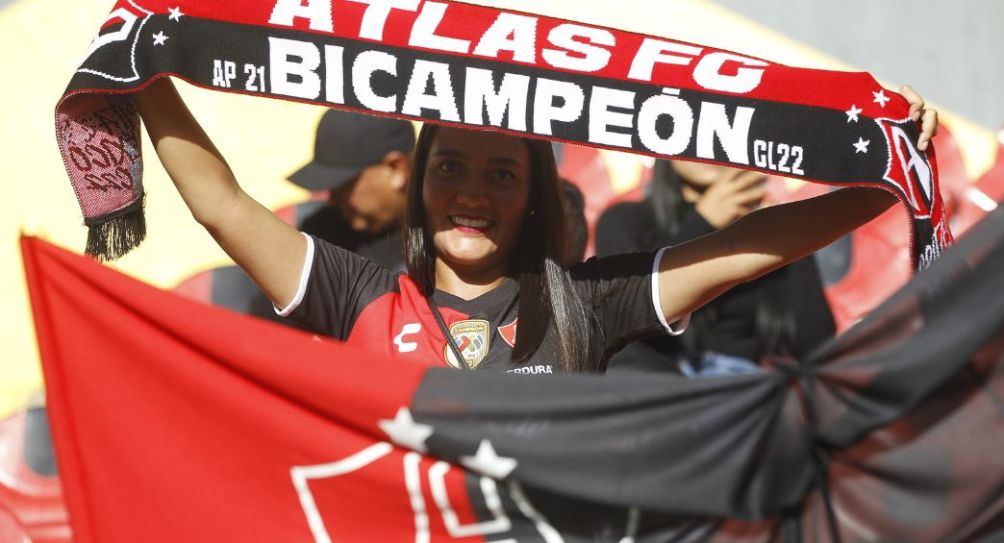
(928, 117)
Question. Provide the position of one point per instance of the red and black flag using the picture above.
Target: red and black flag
(488, 69)
(176, 421)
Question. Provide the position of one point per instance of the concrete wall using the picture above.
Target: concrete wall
(952, 51)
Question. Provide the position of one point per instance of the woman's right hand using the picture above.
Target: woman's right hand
(732, 195)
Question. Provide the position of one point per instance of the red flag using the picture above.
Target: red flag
(176, 421)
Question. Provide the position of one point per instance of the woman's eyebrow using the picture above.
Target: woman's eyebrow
(507, 161)
(450, 152)
(495, 160)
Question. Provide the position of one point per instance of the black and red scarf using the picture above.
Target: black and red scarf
(489, 69)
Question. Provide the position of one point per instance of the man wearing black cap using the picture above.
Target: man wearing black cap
(363, 162)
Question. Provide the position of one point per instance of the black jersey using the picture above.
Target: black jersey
(328, 224)
(350, 298)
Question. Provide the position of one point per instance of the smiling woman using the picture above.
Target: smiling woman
(483, 207)
(474, 189)
(484, 244)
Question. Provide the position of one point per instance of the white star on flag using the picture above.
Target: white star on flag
(852, 114)
(487, 462)
(176, 14)
(880, 97)
(159, 38)
(404, 431)
(861, 146)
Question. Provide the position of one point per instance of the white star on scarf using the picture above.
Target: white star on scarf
(852, 114)
(404, 431)
(176, 14)
(159, 38)
(880, 97)
(487, 462)
(861, 146)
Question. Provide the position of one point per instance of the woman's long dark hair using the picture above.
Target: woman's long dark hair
(547, 298)
(775, 317)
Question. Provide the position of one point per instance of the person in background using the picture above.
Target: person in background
(781, 314)
(574, 205)
(363, 162)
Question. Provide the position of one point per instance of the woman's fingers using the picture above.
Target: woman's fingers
(730, 175)
(751, 196)
(928, 117)
(748, 178)
(748, 191)
(915, 100)
(928, 128)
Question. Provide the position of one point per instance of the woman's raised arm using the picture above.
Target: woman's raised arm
(694, 273)
(269, 250)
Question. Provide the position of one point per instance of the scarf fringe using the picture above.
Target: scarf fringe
(115, 236)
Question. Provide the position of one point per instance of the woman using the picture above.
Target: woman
(783, 313)
(484, 242)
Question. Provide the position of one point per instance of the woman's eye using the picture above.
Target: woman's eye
(448, 166)
(504, 175)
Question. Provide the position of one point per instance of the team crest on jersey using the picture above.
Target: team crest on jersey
(473, 339)
(508, 333)
(908, 169)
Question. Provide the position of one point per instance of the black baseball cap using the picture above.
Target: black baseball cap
(346, 143)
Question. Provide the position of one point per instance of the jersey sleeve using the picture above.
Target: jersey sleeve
(623, 293)
(335, 286)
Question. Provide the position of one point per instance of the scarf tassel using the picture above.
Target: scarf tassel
(108, 238)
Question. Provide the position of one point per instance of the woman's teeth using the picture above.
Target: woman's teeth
(470, 222)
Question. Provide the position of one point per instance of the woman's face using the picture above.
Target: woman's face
(475, 194)
(700, 175)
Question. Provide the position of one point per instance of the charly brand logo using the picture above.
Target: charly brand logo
(473, 339)
(908, 169)
(117, 40)
(407, 331)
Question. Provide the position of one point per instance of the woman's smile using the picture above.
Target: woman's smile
(467, 224)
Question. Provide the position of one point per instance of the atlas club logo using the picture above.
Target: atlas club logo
(907, 168)
(117, 40)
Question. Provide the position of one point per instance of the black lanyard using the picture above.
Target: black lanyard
(450, 341)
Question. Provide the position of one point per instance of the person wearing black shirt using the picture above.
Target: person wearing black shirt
(363, 163)
(329, 224)
(783, 313)
(483, 211)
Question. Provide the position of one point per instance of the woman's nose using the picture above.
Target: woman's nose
(473, 193)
